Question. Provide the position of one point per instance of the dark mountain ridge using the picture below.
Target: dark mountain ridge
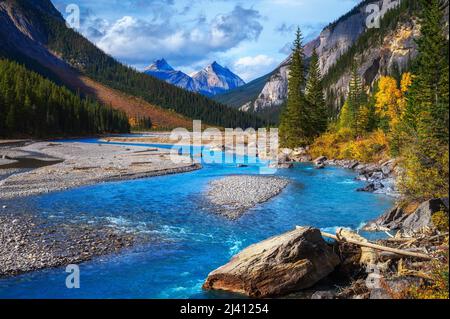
(36, 32)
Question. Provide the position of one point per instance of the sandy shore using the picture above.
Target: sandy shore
(232, 196)
(79, 164)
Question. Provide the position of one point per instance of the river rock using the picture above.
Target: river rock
(397, 219)
(277, 266)
(421, 218)
(371, 187)
(320, 160)
(390, 220)
(324, 295)
(319, 166)
(281, 164)
(368, 256)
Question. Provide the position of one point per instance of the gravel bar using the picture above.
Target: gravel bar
(60, 166)
(28, 243)
(232, 196)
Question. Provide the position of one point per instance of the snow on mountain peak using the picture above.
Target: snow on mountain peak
(212, 80)
(160, 65)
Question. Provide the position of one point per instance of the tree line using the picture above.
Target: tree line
(31, 105)
(305, 115)
(403, 116)
(87, 58)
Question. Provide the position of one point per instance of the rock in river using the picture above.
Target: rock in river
(277, 266)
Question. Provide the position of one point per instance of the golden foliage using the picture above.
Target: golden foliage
(437, 286)
(390, 99)
(440, 220)
(424, 177)
(341, 145)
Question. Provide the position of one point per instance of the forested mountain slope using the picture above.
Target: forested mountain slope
(389, 49)
(31, 105)
(33, 32)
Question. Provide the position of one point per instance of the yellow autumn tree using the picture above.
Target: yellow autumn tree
(389, 100)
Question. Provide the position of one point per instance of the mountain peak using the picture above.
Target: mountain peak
(160, 65)
(211, 80)
(215, 79)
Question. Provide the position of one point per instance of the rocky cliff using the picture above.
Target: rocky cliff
(342, 40)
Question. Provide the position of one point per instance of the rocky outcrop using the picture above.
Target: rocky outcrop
(397, 49)
(421, 218)
(299, 154)
(274, 92)
(277, 266)
(398, 217)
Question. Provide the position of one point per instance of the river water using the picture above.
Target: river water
(187, 240)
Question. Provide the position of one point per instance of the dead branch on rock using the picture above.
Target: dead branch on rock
(403, 252)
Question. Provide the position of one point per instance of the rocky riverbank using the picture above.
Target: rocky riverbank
(28, 243)
(232, 196)
(301, 264)
(379, 177)
(46, 167)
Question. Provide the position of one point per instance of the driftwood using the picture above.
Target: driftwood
(375, 246)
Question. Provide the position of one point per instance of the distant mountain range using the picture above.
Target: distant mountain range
(212, 80)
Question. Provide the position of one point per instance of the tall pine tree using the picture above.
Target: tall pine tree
(426, 117)
(294, 125)
(356, 99)
(427, 111)
(315, 97)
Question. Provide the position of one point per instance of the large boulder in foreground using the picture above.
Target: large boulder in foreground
(277, 266)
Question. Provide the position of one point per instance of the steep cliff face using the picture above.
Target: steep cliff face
(396, 50)
(274, 91)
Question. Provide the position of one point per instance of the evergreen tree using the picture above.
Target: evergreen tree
(295, 123)
(372, 121)
(315, 97)
(356, 99)
(31, 105)
(426, 117)
(427, 111)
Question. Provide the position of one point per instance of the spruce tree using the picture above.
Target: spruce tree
(429, 94)
(295, 120)
(315, 97)
(426, 118)
(355, 100)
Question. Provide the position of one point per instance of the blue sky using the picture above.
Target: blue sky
(250, 37)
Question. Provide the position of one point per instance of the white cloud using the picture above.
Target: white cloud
(250, 67)
(138, 41)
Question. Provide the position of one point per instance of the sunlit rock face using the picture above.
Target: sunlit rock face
(215, 79)
(397, 49)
